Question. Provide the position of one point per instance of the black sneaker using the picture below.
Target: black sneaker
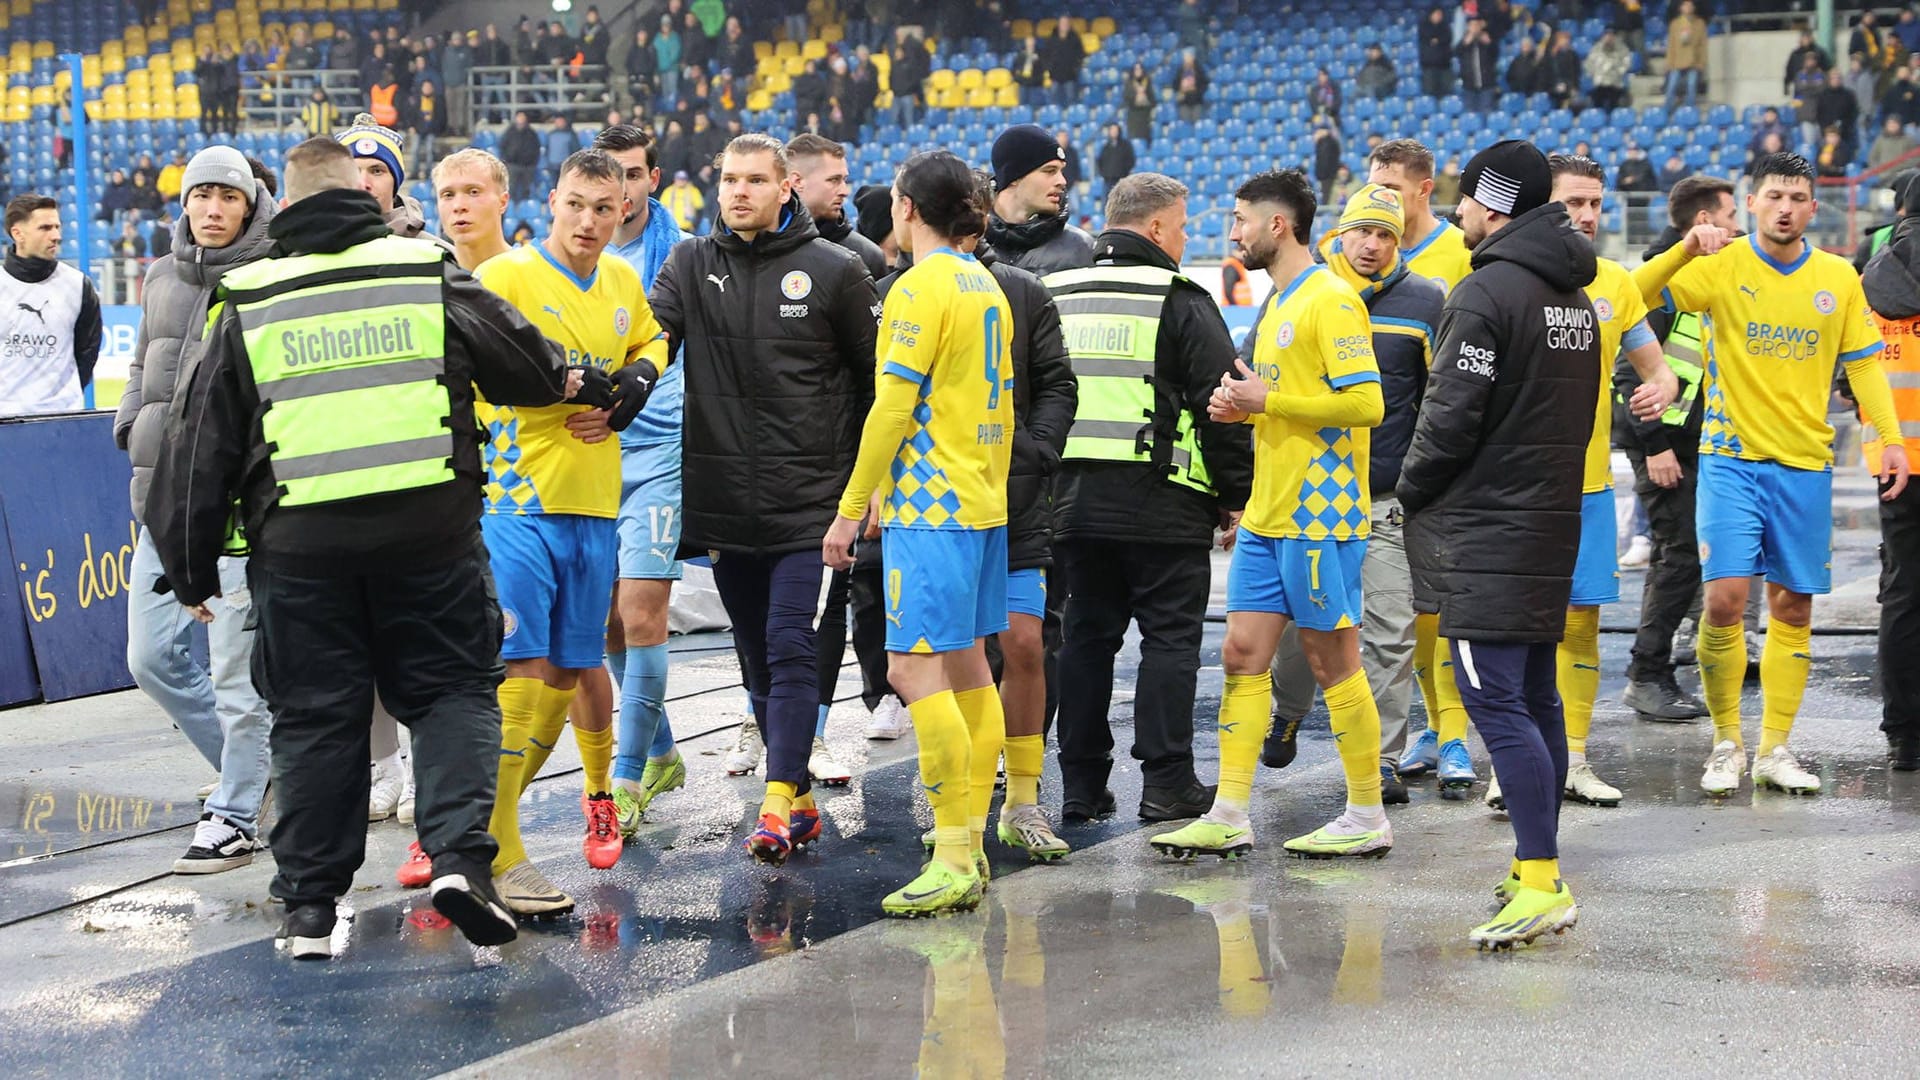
(1277, 752)
(1175, 804)
(1903, 753)
(308, 932)
(1392, 791)
(218, 844)
(468, 900)
(1078, 810)
(1661, 699)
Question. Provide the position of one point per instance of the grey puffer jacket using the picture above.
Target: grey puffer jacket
(173, 324)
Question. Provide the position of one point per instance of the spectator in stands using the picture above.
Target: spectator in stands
(160, 244)
(643, 72)
(1523, 72)
(1446, 185)
(145, 201)
(1771, 143)
(522, 235)
(839, 79)
(675, 154)
(837, 127)
(344, 54)
(1029, 68)
(1066, 55)
(1836, 107)
(206, 83)
(1902, 99)
(520, 149)
(1807, 85)
(1836, 153)
(1137, 93)
(1686, 55)
(1073, 165)
(666, 54)
(1115, 160)
(1630, 22)
(561, 142)
(1190, 87)
(300, 54)
(1561, 69)
(908, 75)
(1498, 15)
(318, 116)
(594, 38)
(252, 65)
(422, 71)
(117, 199)
(456, 61)
(168, 182)
(1377, 78)
(1326, 156)
(795, 23)
(1324, 96)
(1608, 65)
(1860, 83)
(1907, 31)
(735, 50)
(696, 48)
(426, 120)
(374, 63)
(230, 88)
(683, 200)
(562, 50)
(1892, 143)
(1343, 185)
(1479, 58)
(145, 167)
(863, 89)
(128, 245)
(1674, 171)
(1808, 49)
(1191, 24)
(1636, 173)
(1770, 124)
(1868, 41)
(383, 99)
(492, 52)
(1436, 54)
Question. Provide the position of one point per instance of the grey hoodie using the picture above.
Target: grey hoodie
(173, 317)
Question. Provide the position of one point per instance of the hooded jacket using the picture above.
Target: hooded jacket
(1134, 501)
(1491, 483)
(173, 324)
(1404, 309)
(1649, 437)
(211, 454)
(776, 341)
(1042, 245)
(841, 231)
(1892, 278)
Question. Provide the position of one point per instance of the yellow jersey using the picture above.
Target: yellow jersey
(534, 464)
(1774, 333)
(947, 327)
(1618, 306)
(1441, 258)
(1309, 482)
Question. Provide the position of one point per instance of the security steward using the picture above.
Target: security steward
(1144, 481)
(334, 406)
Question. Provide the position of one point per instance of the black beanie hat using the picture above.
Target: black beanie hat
(1510, 177)
(873, 212)
(1020, 150)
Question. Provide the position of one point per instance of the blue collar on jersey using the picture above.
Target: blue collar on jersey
(1281, 297)
(956, 254)
(583, 284)
(1785, 269)
(1412, 253)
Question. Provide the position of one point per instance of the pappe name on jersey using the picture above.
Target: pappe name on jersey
(1568, 327)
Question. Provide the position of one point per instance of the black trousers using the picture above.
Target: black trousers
(1162, 588)
(1510, 694)
(1900, 613)
(771, 601)
(1673, 573)
(860, 589)
(429, 641)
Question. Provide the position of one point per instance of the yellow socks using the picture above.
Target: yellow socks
(1784, 661)
(986, 731)
(804, 802)
(1722, 654)
(779, 800)
(945, 750)
(518, 701)
(1426, 639)
(1245, 714)
(1025, 753)
(549, 719)
(1453, 711)
(596, 757)
(1542, 874)
(1356, 734)
(1579, 675)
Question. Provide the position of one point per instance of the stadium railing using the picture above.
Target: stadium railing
(276, 104)
(1866, 200)
(496, 93)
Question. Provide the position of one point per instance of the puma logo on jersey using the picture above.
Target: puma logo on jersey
(1752, 293)
(551, 310)
(720, 281)
(37, 312)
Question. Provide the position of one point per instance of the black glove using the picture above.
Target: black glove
(632, 386)
(596, 387)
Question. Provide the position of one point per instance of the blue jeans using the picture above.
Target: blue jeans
(223, 715)
(1688, 77)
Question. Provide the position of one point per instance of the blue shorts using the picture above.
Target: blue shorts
(1596, 573)
(649, 513)
(1027, 592)
(555, 577)
(1762, 517)
(1316, 583)
(944, 587)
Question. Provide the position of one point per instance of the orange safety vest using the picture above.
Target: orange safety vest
(1240, 293)
(1901, 361)
(384, 112)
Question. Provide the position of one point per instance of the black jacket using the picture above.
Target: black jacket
(212, 453)
(1491, 484)
(1436, 44)
(1101, 500)
(1042, 245)
(841, 231)
(1653, 436)
(777, 341)
(520, 146)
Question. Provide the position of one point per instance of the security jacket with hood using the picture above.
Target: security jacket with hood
(1491, 484)
(776, 340)
(1042, 245)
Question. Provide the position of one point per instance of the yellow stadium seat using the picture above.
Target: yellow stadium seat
(998, 78)
(762, 50)
(91, 79)
(942, 79)
(61, 80)
(112, 48)
(1007, 97)
(187, 110)
(971, 79)
(388, 5)
(1079, 25)
(766, 66)
(340, 5)
(1104, 26)
(164, 110)
(834, 33)
(1022, 28)
(272, 5)
(779, 84)
(116, 94)
(792, 65)
(20, 9)
(225, 21)
(179, 11)
(1090, 42)
(41, 95)
(787, 48)
(979, 98)
(759, 101)
(247, 8)
(322, 30)
(139, 110)
(94, 111)
(814, 49)
(200, 7)
(883, 63)
(43, 50)
(363, 5)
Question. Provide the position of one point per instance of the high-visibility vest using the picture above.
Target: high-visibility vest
(1683, 353)
(348, 353)
(384, 111)
(1901, 361)
(1240, 293)
(1110, 317)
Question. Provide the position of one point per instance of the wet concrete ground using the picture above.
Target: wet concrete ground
(1763, 934)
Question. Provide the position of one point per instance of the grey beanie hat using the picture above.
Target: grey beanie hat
(219, 165)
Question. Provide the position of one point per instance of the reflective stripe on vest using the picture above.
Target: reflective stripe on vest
(348, 351)
(1110, 317)
(1901, 361)
(1682, 350)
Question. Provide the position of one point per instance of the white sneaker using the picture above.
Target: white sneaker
(890, 719)
(383, 798)
(403, 810)
(823, 768)
(744, 755)
(1583, 785)
(1781, 771)
(1638, 554)
(218, 845)
(1725, 766)
(1495, 800)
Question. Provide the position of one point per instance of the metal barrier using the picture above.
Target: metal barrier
(577, 91)
(273, 99)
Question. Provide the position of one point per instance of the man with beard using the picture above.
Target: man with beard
(819, 170)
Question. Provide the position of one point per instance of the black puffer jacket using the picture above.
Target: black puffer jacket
(1041, 246)
(777, 341)
(841, 231)
(1491, 484)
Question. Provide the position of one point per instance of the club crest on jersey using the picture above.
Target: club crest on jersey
(796, 285)
(1284, 336)
(1603, 308)
(621, 321)
(508, 622)
(1824, 303)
